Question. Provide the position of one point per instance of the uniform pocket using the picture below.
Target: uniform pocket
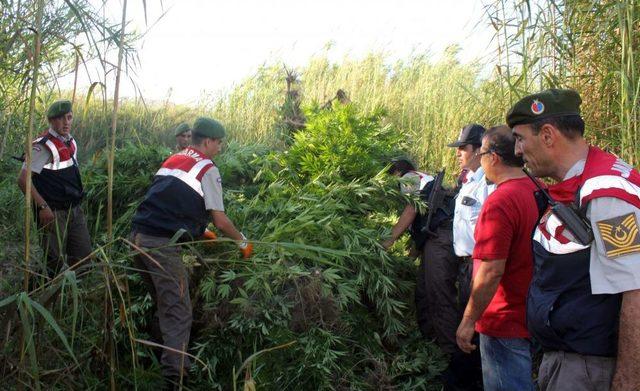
(540, 306)
(599, 371)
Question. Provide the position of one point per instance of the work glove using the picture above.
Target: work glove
(209, 235)
(246, 248)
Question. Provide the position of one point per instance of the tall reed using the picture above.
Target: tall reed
(27, 149)
(589, 46)
(114, 122)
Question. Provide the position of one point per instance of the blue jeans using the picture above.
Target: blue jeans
(506, 364)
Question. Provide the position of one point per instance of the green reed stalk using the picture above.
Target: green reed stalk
(27, 149)
(114, 122)
(110, 164)
(75, 75)
(629, 85)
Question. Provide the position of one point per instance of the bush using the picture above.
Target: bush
(320, 305)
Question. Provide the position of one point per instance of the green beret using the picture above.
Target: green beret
(183, 127)
(58, 108)
(545, 104)
(208, 127)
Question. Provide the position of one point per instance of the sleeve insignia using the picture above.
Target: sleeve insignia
(620, 235)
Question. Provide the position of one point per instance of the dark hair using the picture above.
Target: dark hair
(401, 166)
(571, 126)
(197, 139)
(501, 141)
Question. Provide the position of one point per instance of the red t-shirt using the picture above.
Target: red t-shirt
(503, 231)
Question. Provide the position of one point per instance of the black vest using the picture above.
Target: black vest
(59, 182)
(171, 204)
(562, 313)
(440, 215)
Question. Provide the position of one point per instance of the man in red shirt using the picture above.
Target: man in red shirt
(503, 265)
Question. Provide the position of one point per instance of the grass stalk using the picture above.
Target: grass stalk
(27, 148)
(629, 85)
(75, 75)
(114, 122)
(5, 134)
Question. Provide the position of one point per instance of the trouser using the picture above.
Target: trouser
(465, 272)
(560, 371)
(468, 364)
(167, 281)
(442, 292)
(506, 363)
(66, 239)
(437, 305)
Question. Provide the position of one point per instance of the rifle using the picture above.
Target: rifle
(571, 217)
(435, 202)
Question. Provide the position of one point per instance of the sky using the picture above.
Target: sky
(202, 46)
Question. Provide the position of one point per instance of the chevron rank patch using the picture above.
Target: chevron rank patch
(620, 235)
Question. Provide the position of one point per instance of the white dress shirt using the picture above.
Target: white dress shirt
(469, 201)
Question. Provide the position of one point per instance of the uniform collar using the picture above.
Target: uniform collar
(576, 169)
(475, 176)
(59, 136)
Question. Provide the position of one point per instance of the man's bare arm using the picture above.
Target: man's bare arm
(404, 222)
(22, 184)
(45, 216)
(627, 375)
(224, 224)
(485, 285)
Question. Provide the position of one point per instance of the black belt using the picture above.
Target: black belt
(62, 205)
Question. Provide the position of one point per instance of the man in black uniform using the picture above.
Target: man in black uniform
(57, 191)
(185, 195)
(439, 306)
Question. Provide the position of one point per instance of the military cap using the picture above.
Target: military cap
(548, 103)
(208, 127)
(470, 134)
(58, 108)
(183, 127)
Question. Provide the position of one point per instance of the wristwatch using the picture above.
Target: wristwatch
(42, 206)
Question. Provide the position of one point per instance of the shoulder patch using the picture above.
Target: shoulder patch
(622, 167)
(620, 235)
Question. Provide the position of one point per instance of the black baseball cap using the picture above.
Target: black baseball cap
(470, 134)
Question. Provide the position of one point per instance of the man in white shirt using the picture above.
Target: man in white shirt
(473, 192)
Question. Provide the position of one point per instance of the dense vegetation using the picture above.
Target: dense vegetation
(320, 305)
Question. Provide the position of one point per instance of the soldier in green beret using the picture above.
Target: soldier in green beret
(57, 190)
(183, 136)
(185, 195)
(583, 304)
